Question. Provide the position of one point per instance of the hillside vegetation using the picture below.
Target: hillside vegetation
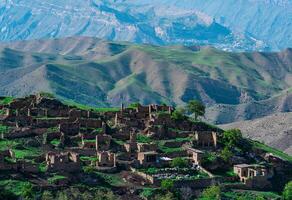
(101, 73)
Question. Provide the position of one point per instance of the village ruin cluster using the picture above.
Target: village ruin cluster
(56, 145)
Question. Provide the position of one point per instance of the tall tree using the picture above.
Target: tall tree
(197, 108)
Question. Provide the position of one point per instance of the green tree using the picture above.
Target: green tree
(211, 193)
(179, 162)
(27, 191)
(197, 108)
(231, 138)
(167, 196)
(226, 154)
(6, 194)
(287, 193)
(167, 184)
(259, 197)
(179, 114)
(47, 195)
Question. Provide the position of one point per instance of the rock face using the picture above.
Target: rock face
(274, 130)
(228, 25)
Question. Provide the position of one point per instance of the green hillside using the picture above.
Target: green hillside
(105, 73)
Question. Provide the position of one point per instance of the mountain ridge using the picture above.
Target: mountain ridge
(103, 73)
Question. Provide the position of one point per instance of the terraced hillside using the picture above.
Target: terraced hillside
(101, 73)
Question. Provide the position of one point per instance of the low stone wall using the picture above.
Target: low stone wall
(83, 152)
(175, 154)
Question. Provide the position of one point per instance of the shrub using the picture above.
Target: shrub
(231, 138)
(27, 191)
(167, 196)
(212, 193)
(143, 138)
(167, 184)
(179, 114)
(179, 162)
(287, 193)
(152, 170)
(226, 154)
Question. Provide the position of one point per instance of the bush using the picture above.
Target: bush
(47, 195)
(211, 193)
(226, 154)
(167, 184)
(143, 138)
(152, 170)
(179, 162)
(287, 193)
(167, 196)
(231, 138)
(27, 191)
(179, 114)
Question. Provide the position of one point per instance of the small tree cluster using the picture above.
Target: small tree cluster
(287, 193)
(211, 193)
(179, 162)
(194, 107)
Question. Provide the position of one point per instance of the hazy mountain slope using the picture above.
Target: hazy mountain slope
(98, 72)
(267, 21)
(152, 22)
(223, 113)
(274, 130)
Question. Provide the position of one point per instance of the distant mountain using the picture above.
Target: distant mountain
(234, 86)
(229, 25)
(274, 130)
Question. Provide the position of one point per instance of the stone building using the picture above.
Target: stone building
(147, 159)
(64, 161)
(145, 147)
(106, 160)
(131, 145)
(206, 139)
(254, 176)
(195, 155)
(69, 128)
(103, 142)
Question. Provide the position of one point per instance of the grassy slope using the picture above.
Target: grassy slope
(108, 72)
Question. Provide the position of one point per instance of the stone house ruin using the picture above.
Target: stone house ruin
(64, 161)
(253, 175)
(206, 139)
(195, 155)
(103, 142)
(147, 159)
(106, 160)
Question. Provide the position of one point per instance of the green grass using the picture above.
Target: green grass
(88, 158)
(6, 100)
(23, 153)
(119, 142)
(56, 178)
(249, 195)
(271, 150)
(96, 109)
(43, 167)
(52, 130)
(93, 140)
(165, 149)
(143, 138)
(14, 186)
(6, 144)
(4, 129)
(55, 142)
(148, 193)
(112, 179)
